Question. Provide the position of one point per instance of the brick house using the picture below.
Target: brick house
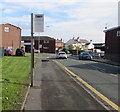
(10, 37)
(112, 44)
(59, 45)
(47, 43)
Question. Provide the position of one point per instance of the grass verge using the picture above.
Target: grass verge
(15, 81)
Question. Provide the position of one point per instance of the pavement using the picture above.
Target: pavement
(107, 61)
(54, 89)
(102, 60)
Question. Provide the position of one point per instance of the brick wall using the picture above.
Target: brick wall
(10, 36)
(48, 44)
(112, 45)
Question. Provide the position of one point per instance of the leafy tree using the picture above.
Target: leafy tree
(71, 47)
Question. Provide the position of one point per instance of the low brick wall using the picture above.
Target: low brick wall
(113, 57)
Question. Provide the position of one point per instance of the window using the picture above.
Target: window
(46, 41)
(118, 33)
(45, 47)
(6, 29)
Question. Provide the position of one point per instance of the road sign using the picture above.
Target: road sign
(40, 46)
(119, 13)
(38, 23)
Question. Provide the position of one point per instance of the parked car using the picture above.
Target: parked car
(85, 56)
(102, 55)
(61, 55)
(36, 51)
(7, 52)
(96, 55)
(20, 52)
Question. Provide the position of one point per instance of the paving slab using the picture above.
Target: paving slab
(55, 90)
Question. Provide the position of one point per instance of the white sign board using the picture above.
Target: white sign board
(38, 23)
(40, 46)
(119, 13)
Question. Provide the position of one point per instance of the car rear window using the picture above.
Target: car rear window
(61, 53)
(85, 53)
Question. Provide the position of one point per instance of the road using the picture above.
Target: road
(102, 77)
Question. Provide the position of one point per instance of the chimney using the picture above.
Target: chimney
(90, 41)
(78, 39)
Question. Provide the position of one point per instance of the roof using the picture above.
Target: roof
(114, 28)
(74, 41)
(84, 41)
(59, 41)
(36, 38)
(10, 25)
(98, 43)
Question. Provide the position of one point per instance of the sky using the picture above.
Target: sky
(64, 19)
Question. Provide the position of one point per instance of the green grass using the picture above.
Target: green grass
(15, 81)
(29, 54)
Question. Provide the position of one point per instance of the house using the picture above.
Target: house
(43, 43)
(112, 44)
(10, 37)
(77, 43)
(99, 48)
(59, 45)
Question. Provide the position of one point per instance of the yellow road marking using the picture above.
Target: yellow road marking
(116, 107)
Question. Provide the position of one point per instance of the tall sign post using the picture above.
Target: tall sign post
(32, 50)
(37, 25)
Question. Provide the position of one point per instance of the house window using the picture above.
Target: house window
(45, 47)
(46, 41)
(118, 33)
(6, 29)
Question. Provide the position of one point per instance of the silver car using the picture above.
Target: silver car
(61, 55)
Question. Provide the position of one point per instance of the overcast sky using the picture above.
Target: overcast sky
(63, 18)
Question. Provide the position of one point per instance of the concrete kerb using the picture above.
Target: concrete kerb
(22, 108)
(23, 104)
(106, 62)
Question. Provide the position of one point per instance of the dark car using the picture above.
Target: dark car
(20, 52)
(85, 56)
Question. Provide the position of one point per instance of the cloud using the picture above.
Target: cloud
(52, 1)
(66, 18)
(8, 11)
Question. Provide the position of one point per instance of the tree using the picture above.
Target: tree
(71, 47)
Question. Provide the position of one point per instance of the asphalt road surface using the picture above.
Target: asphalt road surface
(102, 77)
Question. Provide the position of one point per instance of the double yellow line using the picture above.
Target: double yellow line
(116, 107)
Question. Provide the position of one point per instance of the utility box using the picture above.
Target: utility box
(1, 51)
